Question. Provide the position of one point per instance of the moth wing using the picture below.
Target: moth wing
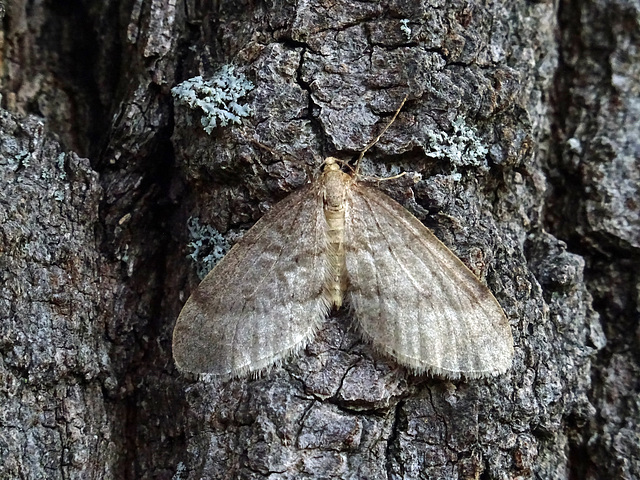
(264, 299)
(414, 299)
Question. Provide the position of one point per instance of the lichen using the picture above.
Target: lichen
(462, 146)
(207, 246)
(60, 164)
(180, 469)
(23, 159)
(404, 26)
(217, 97)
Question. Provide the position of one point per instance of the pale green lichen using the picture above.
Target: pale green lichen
(462, 146)
(207, 246)
(180, 469)
(60, 164)
(62, 175)
(24, 159)
(217, 97)
(404, 26)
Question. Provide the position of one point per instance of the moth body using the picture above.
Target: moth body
(335, 184)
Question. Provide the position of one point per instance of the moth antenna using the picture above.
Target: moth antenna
(276, 153)
(345, 164)
(261, 145)
(375, 140)
(267, 148)
(365, 178)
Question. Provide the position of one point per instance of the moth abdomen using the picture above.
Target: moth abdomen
(335, 187)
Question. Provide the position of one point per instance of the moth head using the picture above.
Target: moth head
(331, 164)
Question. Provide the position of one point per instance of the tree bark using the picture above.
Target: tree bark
(522, 124)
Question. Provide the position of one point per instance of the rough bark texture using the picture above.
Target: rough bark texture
(93, 252)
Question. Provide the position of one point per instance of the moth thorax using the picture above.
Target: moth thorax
(335, 183)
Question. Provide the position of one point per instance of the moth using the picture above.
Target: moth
(337, 241)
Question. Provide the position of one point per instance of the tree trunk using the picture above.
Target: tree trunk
(522, 131)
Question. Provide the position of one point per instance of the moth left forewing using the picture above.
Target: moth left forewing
(264, 300)
(414, 299)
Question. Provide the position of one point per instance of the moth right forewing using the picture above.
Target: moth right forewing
(414, 299)
(264, 299)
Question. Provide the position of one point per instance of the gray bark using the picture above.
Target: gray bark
(93, 251)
